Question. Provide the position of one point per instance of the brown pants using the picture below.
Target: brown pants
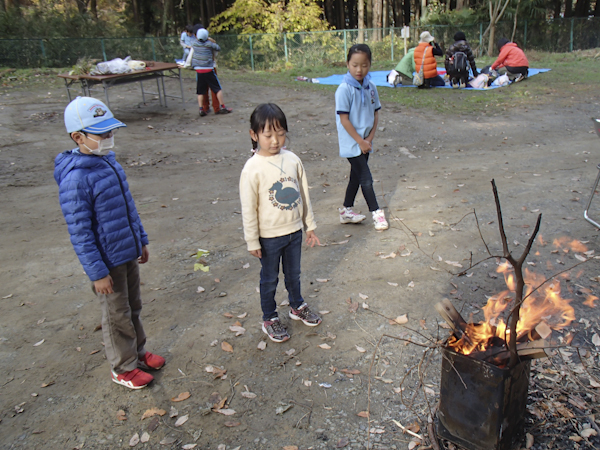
(122, 329)
(215, 101)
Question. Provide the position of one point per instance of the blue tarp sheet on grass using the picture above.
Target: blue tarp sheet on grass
(379, 78)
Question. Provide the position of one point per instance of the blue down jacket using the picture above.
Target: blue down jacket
(105, 228)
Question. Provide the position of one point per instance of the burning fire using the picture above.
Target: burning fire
(543, 308)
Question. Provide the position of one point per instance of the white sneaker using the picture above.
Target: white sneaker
(379, 220)
(349, 216)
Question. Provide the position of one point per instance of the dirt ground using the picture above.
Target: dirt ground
(430, 172)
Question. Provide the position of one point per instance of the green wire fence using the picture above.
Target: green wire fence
(285, 50)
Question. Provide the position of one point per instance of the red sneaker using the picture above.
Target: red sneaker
(134, 379)
(151, 361)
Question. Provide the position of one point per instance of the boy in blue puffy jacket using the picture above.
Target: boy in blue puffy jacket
(107, 235)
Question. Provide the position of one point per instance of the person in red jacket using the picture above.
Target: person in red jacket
(425, 54)
(513, 59)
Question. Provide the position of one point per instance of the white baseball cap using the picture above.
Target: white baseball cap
(91, 116)
(202, 34)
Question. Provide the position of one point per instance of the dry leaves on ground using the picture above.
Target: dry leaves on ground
(181, 397)
(226, 347)
(153, 412)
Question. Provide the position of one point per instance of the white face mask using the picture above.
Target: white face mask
(104, 146)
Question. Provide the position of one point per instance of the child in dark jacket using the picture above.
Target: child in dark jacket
(107, 236)
(457, 64)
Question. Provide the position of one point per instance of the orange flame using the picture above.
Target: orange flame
(539, 305)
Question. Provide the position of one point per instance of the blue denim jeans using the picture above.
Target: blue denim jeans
(285, 249)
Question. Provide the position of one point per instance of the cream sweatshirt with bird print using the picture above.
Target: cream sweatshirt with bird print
(274, 195)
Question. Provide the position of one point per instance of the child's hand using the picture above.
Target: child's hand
(312, 239)
(104, 285)
(365, 146)
(257, 253)
(145, 255)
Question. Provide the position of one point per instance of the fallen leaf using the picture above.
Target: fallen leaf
(290, 447)
(173, 412)
(594, 383)
(41, 321)
(37, 344)
(360, 349)
(135, 440)
(365, 305)
(200, 290)
(353, 307)
(121, 415)
(225, 412)
(231, 424)
(528, 441)
(588, 432)
(290, 352)
(145, 437)
(238, 331)
(7, 296)
(390, 256)
(411, 284)
(189, 446)
(400, 320)
(322, 280)
(181, 397)
(307, 383)
(364, 414)
(323, 312)
(153, 424)
(453, 263)
(226, 347)
(325, 346)
(228, 315)
(423, 324)
(242, 316)
(392, 284)
(248, 394)
(168, 440)
(350, 371)
(246, 266)
(343, 442)
(93, 352)
(363, 296)
(596, 340)
(262, 345)
(49, 383)
(182, 420)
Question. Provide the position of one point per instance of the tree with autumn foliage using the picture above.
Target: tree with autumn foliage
(259, 16)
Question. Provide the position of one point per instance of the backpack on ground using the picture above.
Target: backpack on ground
(459, 62)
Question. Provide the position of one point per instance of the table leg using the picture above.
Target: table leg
(162, 80)
(181, 86)
(158, 89)
(106, 87)
(143, 96)
(67, 88)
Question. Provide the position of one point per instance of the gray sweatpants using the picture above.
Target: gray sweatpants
(122, 329)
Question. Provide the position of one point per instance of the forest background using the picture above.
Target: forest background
(139, 18)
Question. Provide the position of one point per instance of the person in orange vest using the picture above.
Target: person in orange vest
(513, 59)
(425, 54)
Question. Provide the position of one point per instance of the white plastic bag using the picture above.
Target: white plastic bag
(114, 66)
(502, 80)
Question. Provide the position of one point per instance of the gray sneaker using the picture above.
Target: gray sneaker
(275, 330)
(304, 314)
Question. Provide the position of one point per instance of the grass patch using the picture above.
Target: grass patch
(573, 76)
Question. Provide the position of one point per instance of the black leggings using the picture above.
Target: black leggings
(360, 175)
(523, 70)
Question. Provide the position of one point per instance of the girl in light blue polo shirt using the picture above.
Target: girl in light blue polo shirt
(357, 107)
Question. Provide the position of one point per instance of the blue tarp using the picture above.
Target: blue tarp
(379, 78)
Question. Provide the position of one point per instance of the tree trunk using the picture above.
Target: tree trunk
(406, 11)
(165, 17)
(351, 14)
(361, 20)
(423, 9)
(568, 8)
(341, 16)
(385, 16)
(460, 4)
(329, 12)
(492, 39)
(582, 8)
(188, 13)
(136, 11)
(376, 24)
(558, 8)
(512, 38)
(597, 9)
(82, 6)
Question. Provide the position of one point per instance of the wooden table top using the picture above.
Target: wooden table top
(155, 66)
